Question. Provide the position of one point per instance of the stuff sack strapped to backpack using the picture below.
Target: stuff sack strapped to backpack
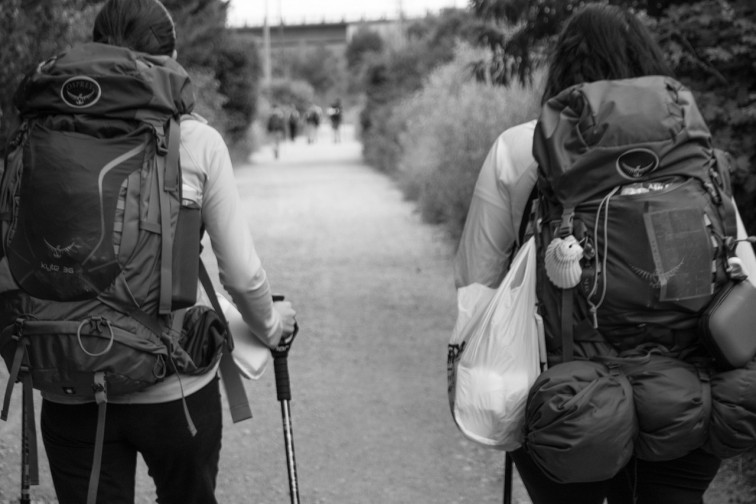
(633, 216)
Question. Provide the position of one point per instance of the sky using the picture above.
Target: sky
(252, 12)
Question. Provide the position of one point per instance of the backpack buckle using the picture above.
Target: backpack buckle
(161, 142)
(565, 226)
(99, 387)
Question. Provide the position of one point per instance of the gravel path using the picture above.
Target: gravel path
(376, 304)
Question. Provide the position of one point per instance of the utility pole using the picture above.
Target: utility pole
(268, 72)
(282, 61)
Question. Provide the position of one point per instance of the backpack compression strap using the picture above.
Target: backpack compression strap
(19, 372)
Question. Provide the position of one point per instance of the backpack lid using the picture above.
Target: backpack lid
(107, 80)
(636, 129)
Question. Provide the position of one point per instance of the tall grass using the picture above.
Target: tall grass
(447, 130)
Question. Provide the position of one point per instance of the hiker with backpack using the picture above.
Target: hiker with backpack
(335, 113)
(102, 214)
(312, 122)
(635, 230)
(276, 128)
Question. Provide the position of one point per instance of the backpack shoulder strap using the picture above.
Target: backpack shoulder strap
(526, 228)
(169, 178)
(527, 217)
(721, 193)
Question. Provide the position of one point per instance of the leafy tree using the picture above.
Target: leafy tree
(440, 34)
(296, 94)
(205, 44)
(34, 30)
(208, 99)
(518, 31)
(319, 66)
(238, 70)
(365, 41)
(200, 30)
(515, 31)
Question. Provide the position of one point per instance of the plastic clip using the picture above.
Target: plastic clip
(565, 226)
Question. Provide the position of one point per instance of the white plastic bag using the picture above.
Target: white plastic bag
(472, 302)
(497, 357)
(250, 355)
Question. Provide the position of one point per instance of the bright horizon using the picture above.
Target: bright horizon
(252, 12)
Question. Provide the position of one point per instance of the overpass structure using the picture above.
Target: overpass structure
(334, 35)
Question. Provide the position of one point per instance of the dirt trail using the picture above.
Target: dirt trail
(375, 302)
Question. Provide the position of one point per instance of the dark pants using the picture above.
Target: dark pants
(680, 481)
(184, 468)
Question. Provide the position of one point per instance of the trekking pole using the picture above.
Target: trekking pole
(25, 477)
(507, 478)
(283, 391)
(29, 470)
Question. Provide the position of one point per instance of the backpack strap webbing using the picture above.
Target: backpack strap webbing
(19, 371)
(18, 357)
(29, 454)
(527, 225)
(102, 403)
(568, 339)
(527, 217)
(238, 403)
(169, 181)
(720, 190)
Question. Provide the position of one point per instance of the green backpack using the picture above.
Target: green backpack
(634, 226)
(96, 236)
(90, 205)
(634, 217)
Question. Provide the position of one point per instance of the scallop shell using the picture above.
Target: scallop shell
(562, 262)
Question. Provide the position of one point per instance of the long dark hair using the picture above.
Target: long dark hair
(602, 42)
(141, 25)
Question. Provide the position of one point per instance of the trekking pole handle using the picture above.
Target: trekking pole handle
(283, 386)
(280, 362)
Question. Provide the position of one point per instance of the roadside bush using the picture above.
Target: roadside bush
(447, 131)
(208, 101)
(390, 76)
